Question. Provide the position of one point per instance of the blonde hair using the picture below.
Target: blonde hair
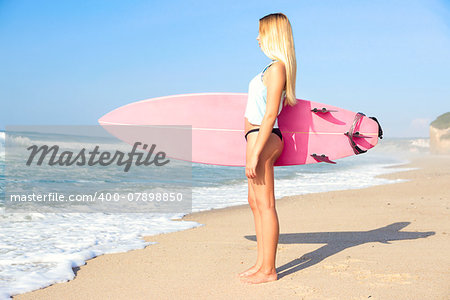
(277, 43)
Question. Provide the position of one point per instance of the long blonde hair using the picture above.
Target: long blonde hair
(277, 43)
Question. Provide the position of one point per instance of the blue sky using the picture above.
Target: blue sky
(70, 62)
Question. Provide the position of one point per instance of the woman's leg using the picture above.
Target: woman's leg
(263, 187)
(258, 230)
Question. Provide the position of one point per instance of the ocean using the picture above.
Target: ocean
(39, 249)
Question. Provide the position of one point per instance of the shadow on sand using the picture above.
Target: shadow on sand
(338, 241)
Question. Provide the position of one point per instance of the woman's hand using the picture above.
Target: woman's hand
(250, 168)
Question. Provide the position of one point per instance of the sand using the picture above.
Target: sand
(383, 242)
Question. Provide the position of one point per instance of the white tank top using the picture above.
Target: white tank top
(257, 100)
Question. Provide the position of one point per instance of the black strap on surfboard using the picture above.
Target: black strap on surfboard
(380, 130)
(349, 134)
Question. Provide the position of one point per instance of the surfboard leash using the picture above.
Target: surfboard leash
(351, 133)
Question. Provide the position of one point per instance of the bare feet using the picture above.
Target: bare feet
(260, 277)
(249, 271)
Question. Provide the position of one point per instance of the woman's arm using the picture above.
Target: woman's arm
(276, 79)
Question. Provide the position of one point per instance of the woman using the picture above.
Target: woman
(267, 90)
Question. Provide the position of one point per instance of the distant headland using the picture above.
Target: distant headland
(440, 134)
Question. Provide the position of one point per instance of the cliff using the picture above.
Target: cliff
(440, 134)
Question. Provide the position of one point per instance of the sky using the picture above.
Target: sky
(70, 62)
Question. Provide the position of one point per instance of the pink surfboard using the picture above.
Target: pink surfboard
(312, 132)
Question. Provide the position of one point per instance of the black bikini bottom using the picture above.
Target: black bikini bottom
(277, 131)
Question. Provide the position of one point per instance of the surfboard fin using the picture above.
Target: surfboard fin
(322, 158)
(351, 134)
(321, 110)
(359, 135)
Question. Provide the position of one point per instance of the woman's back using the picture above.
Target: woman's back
(257, 99)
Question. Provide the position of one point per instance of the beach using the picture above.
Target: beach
(382, 242)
